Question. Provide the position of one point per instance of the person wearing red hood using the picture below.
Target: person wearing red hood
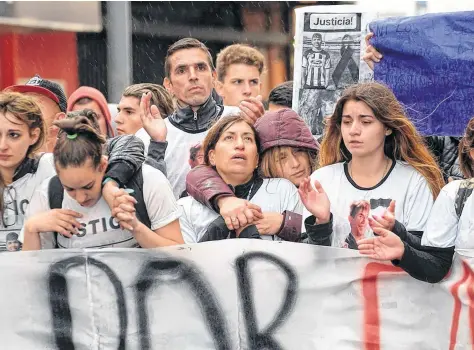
(287, 150)
(87, 97)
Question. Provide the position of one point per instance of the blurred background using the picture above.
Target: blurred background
(110, 45)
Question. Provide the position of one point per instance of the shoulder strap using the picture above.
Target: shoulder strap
(137, 185)
(464, 191)
(55, 197)
(55, 193)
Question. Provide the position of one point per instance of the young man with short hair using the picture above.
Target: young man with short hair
(239, 69)
(128, 120)
(281, 96)
(316, 65)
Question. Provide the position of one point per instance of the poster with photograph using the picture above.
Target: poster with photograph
(329, 45)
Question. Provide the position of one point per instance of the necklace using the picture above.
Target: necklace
(250, 191)
(387, 162)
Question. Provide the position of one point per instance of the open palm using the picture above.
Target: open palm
(315, 200)
(151, 119)
(385, 246)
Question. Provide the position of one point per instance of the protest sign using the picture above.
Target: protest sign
(234, 294)
(329, 41)
(429, 64)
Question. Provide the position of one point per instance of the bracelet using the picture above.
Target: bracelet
(107, 179)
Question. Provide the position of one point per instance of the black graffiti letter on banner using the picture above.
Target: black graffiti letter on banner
(263, 339)
(59, 300)
(161, 271)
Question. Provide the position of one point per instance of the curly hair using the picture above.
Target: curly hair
(238, 54)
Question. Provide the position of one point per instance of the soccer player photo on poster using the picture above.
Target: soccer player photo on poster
(327, 60)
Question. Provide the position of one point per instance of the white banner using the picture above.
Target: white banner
(233, 294)
(329, 45)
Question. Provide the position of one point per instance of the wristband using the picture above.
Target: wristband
(107, 179)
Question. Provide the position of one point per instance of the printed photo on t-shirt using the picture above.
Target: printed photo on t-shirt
(12, 243)
(359, 213)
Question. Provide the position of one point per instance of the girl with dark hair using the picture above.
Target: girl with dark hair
(85, 220)
(231, 149)
(371, 152)
(23, 168)
(449, 227)
(287, 150)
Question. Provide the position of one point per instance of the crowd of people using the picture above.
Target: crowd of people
(204, 158)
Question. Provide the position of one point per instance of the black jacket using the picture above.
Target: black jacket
(184, 118)
(445, 150)
(126, 156)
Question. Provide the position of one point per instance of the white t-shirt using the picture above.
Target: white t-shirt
(143, 135)
(177, 155)
(177, 152)
(444, 228)
(99, 229)
(274, 195)
(16, 198)
(403, 184)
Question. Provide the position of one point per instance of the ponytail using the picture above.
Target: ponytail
(79, 139)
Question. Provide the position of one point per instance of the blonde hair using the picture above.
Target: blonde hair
(269, 167)
(238, 54)
(25, 109)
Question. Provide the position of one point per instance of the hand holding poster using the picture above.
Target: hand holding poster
(328, 43)
(429, 64)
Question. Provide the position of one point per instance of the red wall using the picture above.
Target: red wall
(52, 55)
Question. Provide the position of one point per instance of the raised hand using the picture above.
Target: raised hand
(387, 221)
(371, 55)
(315, 200)
(151, 119)
(252, 108)
(385, 246)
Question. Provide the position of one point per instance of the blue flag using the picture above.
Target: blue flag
(428, 62)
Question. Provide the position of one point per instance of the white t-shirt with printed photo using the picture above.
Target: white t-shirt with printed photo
(99, 229)
(274, 195)
(402, 183)
(16, 198)
(444, 228)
